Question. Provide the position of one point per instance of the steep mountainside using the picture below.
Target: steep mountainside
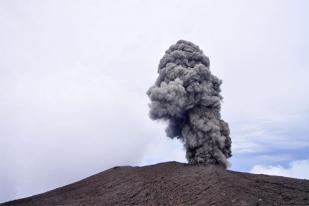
(174, 183)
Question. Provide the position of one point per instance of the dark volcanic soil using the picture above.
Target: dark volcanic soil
(175, 183)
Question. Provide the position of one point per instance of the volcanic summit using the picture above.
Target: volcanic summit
(174, 183)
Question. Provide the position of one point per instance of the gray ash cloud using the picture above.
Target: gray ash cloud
(187, 96)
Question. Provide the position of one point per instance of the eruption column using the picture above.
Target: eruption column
(187, 96)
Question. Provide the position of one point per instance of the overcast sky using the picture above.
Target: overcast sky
(74, 76)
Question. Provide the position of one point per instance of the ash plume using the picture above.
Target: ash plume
(187, 96)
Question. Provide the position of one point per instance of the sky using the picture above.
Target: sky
(74, 76)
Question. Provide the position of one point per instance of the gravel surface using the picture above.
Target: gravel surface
(174, 183)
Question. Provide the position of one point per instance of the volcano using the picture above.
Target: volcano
(174, 183)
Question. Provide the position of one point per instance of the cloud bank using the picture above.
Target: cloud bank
(295, 169)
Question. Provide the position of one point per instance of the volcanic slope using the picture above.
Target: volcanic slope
(174, 183)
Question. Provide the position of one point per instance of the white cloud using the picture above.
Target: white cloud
(163, 149)
(260, 136)
(296, 169)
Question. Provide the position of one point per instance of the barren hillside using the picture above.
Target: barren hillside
(174, 183)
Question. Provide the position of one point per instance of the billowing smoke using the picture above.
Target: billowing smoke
(187, 96)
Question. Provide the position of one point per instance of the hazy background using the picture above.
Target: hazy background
(73, 78)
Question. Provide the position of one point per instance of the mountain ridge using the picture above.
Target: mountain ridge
(173, 183)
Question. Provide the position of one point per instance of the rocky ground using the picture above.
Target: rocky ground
(174, 183)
